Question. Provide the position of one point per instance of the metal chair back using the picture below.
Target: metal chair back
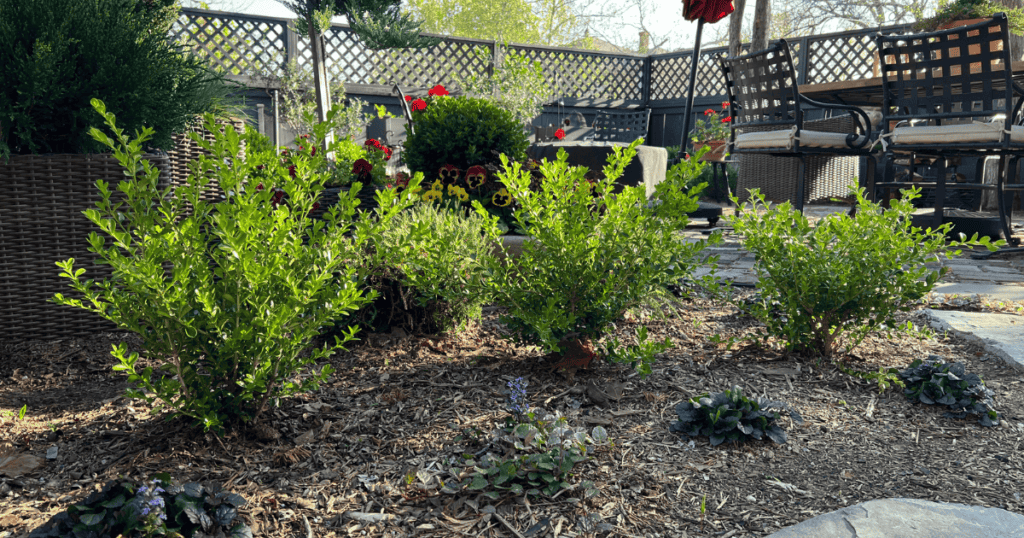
(762, 90)
(621, 125)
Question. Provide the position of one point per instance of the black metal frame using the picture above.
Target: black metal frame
(621, 125)
(763, 96)
(955, 75)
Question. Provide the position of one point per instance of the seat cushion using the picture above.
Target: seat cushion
(786, 140)
(974, 133)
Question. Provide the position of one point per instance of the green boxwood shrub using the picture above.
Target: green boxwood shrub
(428, 267)
(825, 287)
(461, 131)
(56, 55)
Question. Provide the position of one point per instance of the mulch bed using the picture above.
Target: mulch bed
(397, 404)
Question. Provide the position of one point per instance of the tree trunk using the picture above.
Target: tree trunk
(762, 18)
(736, 28)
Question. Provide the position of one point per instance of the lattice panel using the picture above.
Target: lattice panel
(241, 46)
(349, 60)
(671, 74)
(840, 58)
(583, 75)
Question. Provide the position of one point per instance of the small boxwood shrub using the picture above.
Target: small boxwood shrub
(731, 416)
(933, 381)
(462, 132)
(594, 254)
(155, 508)
(826, 287)
(429, 269)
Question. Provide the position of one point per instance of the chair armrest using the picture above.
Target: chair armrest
(861, 123)
(1017, 89)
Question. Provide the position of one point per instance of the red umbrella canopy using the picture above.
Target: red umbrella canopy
(709, 10)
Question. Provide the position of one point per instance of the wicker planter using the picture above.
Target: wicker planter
(42, 223)
(717, 153)
(187, 150)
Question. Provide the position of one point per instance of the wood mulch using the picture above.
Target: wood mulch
(393, 410)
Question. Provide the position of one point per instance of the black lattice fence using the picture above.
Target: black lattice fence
(587, 80)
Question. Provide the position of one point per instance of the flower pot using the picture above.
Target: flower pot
(717, 153)
(511, 246)
(971, 49)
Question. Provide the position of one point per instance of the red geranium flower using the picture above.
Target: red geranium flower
(387, 153)
(312, 151)
(419, 104)
(476, 176)
(437, 91)
(725, 104)
(560, 134)
(291, 170)
(361, 167)
(709, 112)
(373, 142)
(449, 174)
(408, 98)
(727, 119)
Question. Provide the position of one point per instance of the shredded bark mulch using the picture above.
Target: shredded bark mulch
(336, 462)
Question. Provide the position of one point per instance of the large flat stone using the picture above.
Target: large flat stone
(909, 518)
(992, 291)
(15, 465)
(998, 334)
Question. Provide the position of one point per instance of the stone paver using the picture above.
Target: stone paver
(909, 518)
(998, 334)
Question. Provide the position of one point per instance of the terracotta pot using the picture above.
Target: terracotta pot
(971, 49)
(717, 153)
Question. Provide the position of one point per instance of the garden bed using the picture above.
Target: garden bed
(398, 402)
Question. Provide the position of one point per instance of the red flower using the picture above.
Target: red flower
(387, 153)
(401, 180)
(437, 91)
(408, 98)
(312, 151)
(727, 119)
(686, 156)
(725, 104)
(709, 112)
(291, 170)
(373, 142)
(259, 187)
(560, 134)
(361, 167)
(316, 205)
(476, 176)
(449, 174)
(419, 104)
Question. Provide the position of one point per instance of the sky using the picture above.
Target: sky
(662, 17)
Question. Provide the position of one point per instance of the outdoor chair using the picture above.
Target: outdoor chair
(768, 117)
(621, 125)
(948, 95)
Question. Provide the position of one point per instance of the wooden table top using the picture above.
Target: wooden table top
(866, 91)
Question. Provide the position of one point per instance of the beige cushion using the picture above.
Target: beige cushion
(976, 132)
(787, 139)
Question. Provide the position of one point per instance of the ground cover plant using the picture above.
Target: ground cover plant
(823, 288)
(933, 381)
(731, 416)
(152, 508)
(229, 323)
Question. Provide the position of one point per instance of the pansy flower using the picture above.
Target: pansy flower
(437, 91)
(501, 198)
(431, 196)
(418, 104)
(436, 185)
(449, 174)
(476, 176)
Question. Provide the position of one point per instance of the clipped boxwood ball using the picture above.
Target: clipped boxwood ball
(461, 131)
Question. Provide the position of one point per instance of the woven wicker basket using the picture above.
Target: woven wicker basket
(826, 176)
(42, 222)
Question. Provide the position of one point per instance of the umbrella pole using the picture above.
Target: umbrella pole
(689, 96)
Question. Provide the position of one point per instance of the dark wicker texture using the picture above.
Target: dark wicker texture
(827, 176)
(187, 150)
(41, 223)
(621, 125)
